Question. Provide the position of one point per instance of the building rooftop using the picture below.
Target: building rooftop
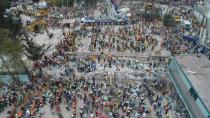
(197, 70)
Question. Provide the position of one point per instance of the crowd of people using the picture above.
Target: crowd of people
(91, 96)
(73, 84)
(143, 34)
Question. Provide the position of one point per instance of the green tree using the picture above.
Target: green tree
(4, 4)
(151, 12)
(89, 3)
(10, 50)
(60, 3)
(7, 21)
(33, 51)
(156, 13)
(13, 25)
(69, 3)
(168, 20)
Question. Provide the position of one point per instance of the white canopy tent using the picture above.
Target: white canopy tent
(42, 4)
(187, 22)
(124, 10)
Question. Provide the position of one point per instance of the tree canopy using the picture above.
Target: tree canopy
(14, 26)
(10, 50)
(87, 3)
(168, 20)
(4, 4)
(90, 3)
(61, 3)
(8, 46)
(33, 51)
(8, 21)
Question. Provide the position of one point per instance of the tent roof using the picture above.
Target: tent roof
(187, 22)
(126, 9)
(42, 4)
(7, 79)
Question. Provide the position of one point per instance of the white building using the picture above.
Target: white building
(202, 11)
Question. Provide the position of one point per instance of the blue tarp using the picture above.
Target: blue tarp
(89, 18)
(24, 78)
(205, 49)
(107, 21)
(189, 38)
(7, 79)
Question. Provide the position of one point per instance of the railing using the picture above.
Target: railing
(181, 93)
(188, 84)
